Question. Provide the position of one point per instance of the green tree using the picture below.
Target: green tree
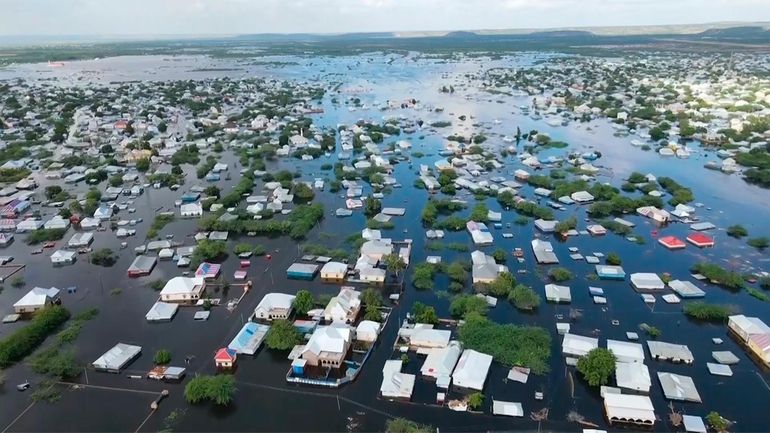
(282, 335)
(394, 263)
(402, 425)
(303, 302)
(372, 206)
(559, 274)
(424, 313)
(142, 165)
(162, 357)
(499, 255)
(464, 304)
(116, 180)
(302, 192)
(597, 366)
(429, 214)
(480, 213)
(217, 389)
(759, 243)
(524, 298)
(502, 285)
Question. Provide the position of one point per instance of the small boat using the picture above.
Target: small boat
(49, 244)
(37, 251)
(23, 386)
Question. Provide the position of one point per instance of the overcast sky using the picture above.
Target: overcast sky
(143, 17)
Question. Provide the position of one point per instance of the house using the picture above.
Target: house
(6, 239)
(671, 242)
(626, 351)
(344, 307)
(29, 225)
(103, 213)
(57, 223)
(225, 358)
(582, 197)
(471, 370)
(629, 409)
(376, 249)
(368, 331)
(744, 327)
(208, 270)
(328, 346)
(89, 223)
(596, 230)
(423, 336)
(161, 312)
(395, 384)
(544, 252)
(141, 266)
(302, 271)
(556, 293)
(678, 387)
(484, 269)
(117, 358)
(655, 214)
(647, 281)
(633, 376)
(80, 240)
(36, 299)
(183, 289)
(441, 362)
(249, 338)
(608, 272)
(700, 240)
(334, 271)
(577, 345)
(274, 306)
(479, 233)
(191, 210)
(686, 289)
(63, 257)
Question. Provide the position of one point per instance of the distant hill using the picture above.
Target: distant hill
(743, 33)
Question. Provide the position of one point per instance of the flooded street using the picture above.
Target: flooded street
(264, 401)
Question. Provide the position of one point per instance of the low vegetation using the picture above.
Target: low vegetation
(526, 346)
(708, 312)
(23, 341)
(719, 276)
(45, 235)
(524, 298)
(282, 335)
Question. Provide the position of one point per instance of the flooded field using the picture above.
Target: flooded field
(264, 401)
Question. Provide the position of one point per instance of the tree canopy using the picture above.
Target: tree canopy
(597, 366)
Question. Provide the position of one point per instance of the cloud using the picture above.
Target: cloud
(97, 17)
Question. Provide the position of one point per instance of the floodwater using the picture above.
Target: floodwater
(264, 401)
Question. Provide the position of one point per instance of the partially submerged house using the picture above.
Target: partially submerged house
(485, 270)
(471, 370)
(441, 362)
(36, 299)
(574, 345)
(117, 358)
(161, 312)
(629, 409)
(141, 266)
(344, 307)
(544, 252)
(183, 290)
(395, 384)
(274, 306)
(328, 346)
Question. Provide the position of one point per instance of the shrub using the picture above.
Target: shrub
(737, 231)
(424, 313)
(759, 243)
(45, 235)
(613, 259)
(475, 400)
